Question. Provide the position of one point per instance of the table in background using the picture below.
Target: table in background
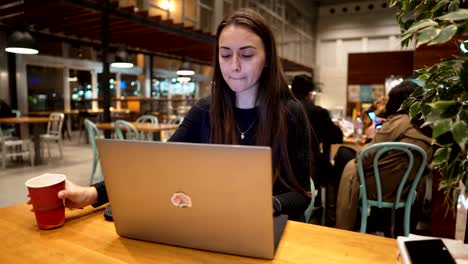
(87, 238)
(35, 121)
(142, 127)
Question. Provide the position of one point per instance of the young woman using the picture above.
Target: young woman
(250, 104)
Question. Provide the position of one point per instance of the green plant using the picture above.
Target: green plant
(443, 101)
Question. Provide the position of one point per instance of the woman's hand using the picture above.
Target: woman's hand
(75, 196)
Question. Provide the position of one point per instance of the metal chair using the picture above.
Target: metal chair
(54, 132)
(15, 148)
(125, 130)
(93, 134)
(147, 119)
(177, 120)
(399, 202)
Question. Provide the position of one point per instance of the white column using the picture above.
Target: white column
(66, 90)
(392, 43)
(146, 89)
(117, 90)
(218, 15)
(22, 91)
(94, 89)
(365, 44)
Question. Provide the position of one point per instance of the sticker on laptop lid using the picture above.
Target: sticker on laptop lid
(181, 200)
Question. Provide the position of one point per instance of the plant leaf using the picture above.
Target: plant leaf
(439, 5)
(453, 5)
(427, 35)
(441, 127)
(440, 156)
(414, 109)
(443, 105)
(421, 24)
(445, 35)
(460, 14)
(460, 133)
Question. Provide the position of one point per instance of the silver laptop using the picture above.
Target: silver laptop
(202, 196)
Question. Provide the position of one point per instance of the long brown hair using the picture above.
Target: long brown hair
(272, 96)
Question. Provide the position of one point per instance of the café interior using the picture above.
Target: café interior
(105, 68)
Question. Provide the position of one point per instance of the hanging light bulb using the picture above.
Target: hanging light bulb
(122, 60)
(21, 42)
(185, 69)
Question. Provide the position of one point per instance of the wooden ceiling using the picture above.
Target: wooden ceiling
(81, 20)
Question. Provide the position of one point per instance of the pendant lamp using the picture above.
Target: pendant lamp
(21, 42)
(122, 59)
(185, 69)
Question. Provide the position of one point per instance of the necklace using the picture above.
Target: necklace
(247, 130)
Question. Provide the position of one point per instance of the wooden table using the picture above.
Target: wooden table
(143, 127)
(35, 121)
(87, 238)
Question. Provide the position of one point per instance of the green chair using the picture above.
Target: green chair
(399, 202)
(147, 119)
(125, 130)
(93, 133)
(309, 211)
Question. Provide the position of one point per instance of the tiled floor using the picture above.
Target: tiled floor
(76, 164)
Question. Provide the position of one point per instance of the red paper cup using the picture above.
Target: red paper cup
(48, 208)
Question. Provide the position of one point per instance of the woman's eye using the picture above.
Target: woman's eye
(225, 56)
(247, 55)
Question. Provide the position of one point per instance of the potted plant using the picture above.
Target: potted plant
(443, 101)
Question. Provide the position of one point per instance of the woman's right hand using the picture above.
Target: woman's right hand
(75, 196)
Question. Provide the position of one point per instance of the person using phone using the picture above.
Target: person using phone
(398, 127)
(374, 127)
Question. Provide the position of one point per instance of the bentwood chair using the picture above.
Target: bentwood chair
(177, 120)
(125, 130)
(400, 202)
(309, 211)
(147, 119)
(93, 134)
(54, 132)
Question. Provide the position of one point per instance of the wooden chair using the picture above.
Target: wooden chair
(399, 202)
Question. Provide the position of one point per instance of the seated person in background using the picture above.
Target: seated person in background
(323, 130)
(398, 128)
(250, 104)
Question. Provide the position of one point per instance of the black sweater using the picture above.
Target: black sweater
(196, 129)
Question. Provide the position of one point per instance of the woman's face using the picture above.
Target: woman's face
(241, 58)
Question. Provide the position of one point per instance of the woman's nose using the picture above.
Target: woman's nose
(235, 63)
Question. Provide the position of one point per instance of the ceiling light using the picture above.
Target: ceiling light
(185, 69)
(122, 59)
(183, 79)
(21, 42)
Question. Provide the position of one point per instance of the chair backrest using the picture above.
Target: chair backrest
(147, 119)
(176, 120)
(131, 133)
(16, 112)
(385, 147)
(54, 126)
(92, 133)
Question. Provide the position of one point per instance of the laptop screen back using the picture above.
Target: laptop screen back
(203, 196)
